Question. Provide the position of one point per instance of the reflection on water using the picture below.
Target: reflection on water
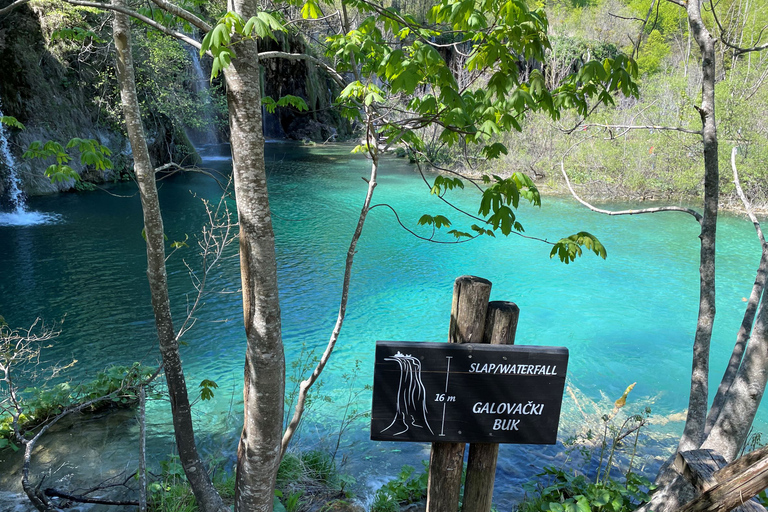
(627, 319)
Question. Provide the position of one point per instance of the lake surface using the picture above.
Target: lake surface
(630, 318)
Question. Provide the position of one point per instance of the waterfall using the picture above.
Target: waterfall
(18, 205)
(19, 215)
(206, 135)
(270, 125)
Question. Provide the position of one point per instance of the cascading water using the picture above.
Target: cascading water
(18, 205)
(18, 215)
(207, 135)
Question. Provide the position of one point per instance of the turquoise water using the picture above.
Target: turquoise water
(627, 319)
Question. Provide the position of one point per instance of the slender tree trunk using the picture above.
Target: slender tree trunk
(742, 388)
(258, 453)
(741, 342)
(307, 384)
(693, 433)
(207, 498)
(732, 426)
(674, 491)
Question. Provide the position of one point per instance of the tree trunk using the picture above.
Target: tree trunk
(258, 453)
(674, 491)
(741, 342)
(207, 497)
(693, 433)
(732, 426)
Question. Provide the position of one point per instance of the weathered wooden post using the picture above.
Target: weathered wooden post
(500, 328)
(468, 312)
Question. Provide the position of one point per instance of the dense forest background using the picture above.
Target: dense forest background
(58, 80)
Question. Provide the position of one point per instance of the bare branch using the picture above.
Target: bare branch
(183, 14)
(743, 197)
(641, 127)
(216, 237)
(738, 50)
(152, 23)
(424, 238)
(630, 18)
(640, 211)
(55, 493)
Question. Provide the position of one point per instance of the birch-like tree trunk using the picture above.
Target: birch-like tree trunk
(207, 498)
(693, 433)
(258, 453)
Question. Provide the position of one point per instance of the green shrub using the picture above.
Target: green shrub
(406, 488)
(319, 466)
(40, 404)
(567, 492)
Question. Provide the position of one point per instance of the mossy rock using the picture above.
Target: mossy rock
(341, 506)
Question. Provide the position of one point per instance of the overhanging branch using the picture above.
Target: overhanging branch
(133, 14)
(696, 215)
(303, 56)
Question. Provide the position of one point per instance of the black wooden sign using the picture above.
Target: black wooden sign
(446, 392)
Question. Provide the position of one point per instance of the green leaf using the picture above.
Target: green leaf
(311, 10)
(293, 101)
(495, 150)
(11, 121)
(459, 234)
(206, 389)
(269, 104)
(441, 221)
(277, 506)
(556, 507)
(426, 220)
(568, 249)
(179, 244)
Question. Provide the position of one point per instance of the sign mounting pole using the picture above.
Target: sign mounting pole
(500, 328)
(446, 460)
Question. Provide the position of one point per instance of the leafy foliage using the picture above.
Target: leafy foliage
(398, 65)
(219, 41)
(288, 100)
(206, 389)
(41, 403)
(568, 492)
(567, 249)
(406, 488)
(92, 153)
(560, 490)
(11, 121)
(76, 34)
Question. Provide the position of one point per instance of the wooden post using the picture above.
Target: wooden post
(468, 311)
(500, 327)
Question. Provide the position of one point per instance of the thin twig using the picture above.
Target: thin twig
(308, 382)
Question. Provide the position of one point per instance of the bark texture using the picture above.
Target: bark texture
(258, 453)
(742, 400)
(693, 433)
(207, 497)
